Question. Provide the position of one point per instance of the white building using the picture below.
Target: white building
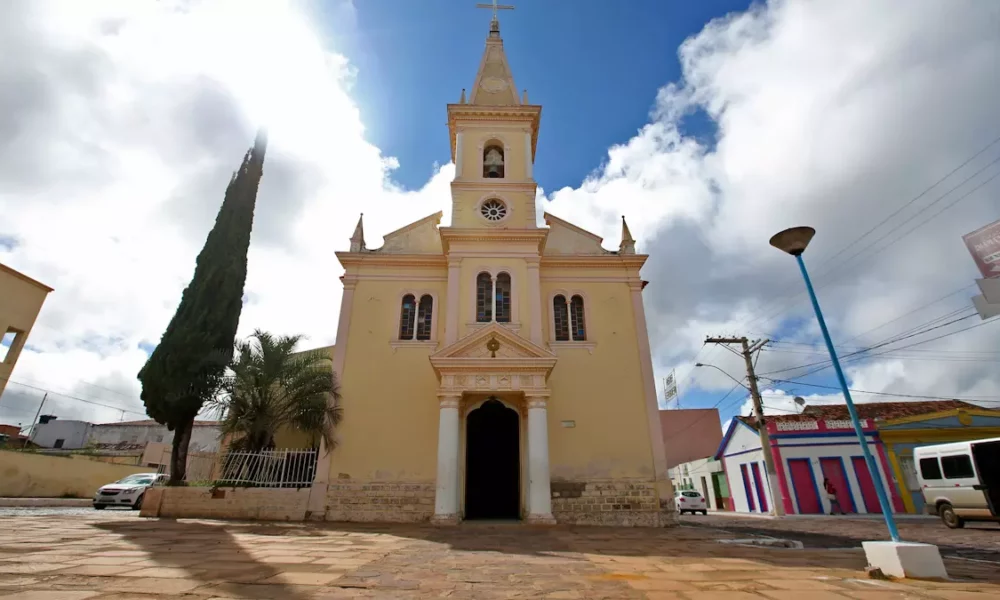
(807, 449)
(56, 433)
(136, 435)
(704, 475)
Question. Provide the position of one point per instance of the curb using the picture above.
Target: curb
(44, 502)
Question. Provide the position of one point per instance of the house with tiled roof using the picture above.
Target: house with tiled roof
(813, 446)
(939, 423)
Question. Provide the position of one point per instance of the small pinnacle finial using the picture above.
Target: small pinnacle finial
(627, 245)
(462, 99)
(358, 239)
(524, 97)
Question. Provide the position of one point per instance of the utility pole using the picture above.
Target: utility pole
(35, 420)
(777, 504)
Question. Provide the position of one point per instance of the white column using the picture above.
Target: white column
(539, 487)
(535, 300)
(452, 303)
(446, 493)
(458, 155)
(527, 155)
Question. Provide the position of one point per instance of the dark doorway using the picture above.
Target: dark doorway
(492, 467)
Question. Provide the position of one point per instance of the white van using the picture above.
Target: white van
(960, 481)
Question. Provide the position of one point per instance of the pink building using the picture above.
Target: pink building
(690, 434)
(807, 448)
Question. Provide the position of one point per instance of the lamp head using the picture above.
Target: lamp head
(794, 240)
(699, 365)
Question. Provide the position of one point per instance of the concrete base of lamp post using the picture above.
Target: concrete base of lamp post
(906, 559)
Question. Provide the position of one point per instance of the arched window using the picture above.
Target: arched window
(407, 315)
(484, 298)
(493, 163)
(425, 311)
(503, 298)
(576, 319)
(560, 312)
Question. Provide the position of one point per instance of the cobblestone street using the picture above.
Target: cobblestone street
(979, 541)
(115, 556)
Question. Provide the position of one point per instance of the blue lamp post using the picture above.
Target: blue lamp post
(794, 241)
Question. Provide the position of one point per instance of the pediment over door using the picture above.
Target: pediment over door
(493, 359)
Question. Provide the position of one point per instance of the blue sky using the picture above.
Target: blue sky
(595, 72)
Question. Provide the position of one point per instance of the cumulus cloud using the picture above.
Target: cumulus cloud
(120, 123)
(833, 115)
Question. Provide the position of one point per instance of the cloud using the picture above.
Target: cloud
(829, 114)
(122, 122)
(120, 131)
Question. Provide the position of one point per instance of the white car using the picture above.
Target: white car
(126, 492)
(690, 501)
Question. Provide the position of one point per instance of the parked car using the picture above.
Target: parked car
(690, 501)
(126, 492)
(960, 481)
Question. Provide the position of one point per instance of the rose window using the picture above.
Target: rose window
(493, 210)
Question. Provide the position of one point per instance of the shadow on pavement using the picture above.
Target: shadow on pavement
(184, 545)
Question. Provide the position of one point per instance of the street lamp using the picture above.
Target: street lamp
(794, 241)
(889, 558)
(723, 372)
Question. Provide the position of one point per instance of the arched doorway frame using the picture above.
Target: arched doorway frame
(471, 402)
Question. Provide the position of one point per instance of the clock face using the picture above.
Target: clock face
(493, 84)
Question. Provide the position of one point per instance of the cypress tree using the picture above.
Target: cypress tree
(186, 369)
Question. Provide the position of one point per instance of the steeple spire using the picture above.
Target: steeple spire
(358, 239)
(628, 244)
(494, 84)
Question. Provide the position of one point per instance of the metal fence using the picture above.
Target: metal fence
(270, 468)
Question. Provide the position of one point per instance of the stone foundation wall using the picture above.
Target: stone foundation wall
(380, 501)
(620, 502)
(263, 504)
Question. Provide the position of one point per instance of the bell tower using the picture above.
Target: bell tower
(494, 133)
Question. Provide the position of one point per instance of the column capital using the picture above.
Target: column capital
(449, 400)
(536, 399)
(533, 262)
(454, 262)
(349, 281)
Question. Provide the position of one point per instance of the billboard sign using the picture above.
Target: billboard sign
(984, 245)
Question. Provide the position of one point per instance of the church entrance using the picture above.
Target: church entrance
(492, 465)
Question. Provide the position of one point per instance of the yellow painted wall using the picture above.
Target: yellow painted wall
(601, 392)
(20, 302)
(470, 186)
(389, 431)
(476, 135)
(470, 270)
(30, 475)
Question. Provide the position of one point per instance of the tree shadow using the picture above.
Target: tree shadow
(207, 552)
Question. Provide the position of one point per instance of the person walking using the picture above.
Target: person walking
(831, 495)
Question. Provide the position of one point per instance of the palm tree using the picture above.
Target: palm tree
(270, 387)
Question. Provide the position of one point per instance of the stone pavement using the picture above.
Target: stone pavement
(117, 557)
(976, 540)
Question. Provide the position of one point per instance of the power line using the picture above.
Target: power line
(827, 363)
(84, 400)
(917, 396)
(784, 307)
(791, 301)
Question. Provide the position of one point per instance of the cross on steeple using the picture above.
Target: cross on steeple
(495, 23)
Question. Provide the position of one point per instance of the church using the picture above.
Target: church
(494, 368)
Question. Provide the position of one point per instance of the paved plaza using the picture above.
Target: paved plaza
(116, 556)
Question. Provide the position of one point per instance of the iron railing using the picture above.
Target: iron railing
(269, 468)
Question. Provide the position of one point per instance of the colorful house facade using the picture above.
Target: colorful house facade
(940, 423)
(806, 448)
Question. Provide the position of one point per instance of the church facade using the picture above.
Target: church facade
(494, 368)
